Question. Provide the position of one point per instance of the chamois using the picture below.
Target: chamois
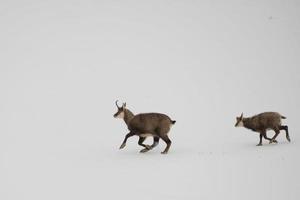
(144, 125)
(263, 122)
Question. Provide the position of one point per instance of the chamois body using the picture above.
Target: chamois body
(145, 125)
(263, 122)
(155, 124)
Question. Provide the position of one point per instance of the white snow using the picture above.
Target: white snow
(64, 63)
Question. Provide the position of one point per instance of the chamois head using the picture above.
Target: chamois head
(121, 111)
(239, 121)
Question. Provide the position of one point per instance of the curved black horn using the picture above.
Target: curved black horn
(117, 103)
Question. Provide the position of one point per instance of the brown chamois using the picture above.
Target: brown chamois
(263, 122)
(144, 125)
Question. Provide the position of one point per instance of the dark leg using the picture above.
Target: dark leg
(265, 136)
(155, 142)
(166, 139)
(286, 131)
(277, 131)
(147, 147)
(130, 134)
(260, 139)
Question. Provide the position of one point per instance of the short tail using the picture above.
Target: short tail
(173, 122)
(283, 117)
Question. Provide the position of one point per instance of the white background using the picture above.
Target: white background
(64, 63)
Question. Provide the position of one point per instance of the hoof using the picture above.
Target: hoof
(259, 144)
(144, 150)
(148, 147)
(122, 146)
(289, 139)
(164, 152)
(273, 141)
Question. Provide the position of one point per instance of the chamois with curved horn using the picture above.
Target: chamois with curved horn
(145, 125)
(263, 122)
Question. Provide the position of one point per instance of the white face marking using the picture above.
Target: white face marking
(120, 115)
(240, 124)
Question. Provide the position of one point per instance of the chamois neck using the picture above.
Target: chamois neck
(248, 123)
(128, 115)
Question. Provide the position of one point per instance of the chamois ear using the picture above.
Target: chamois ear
(124, 105)
(242, 115)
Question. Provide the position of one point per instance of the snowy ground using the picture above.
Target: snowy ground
(64, 63)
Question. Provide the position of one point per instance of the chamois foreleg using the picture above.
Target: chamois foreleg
(277, 131)
(260, 139)
(266, 137)
(147, 147)
(130, 134)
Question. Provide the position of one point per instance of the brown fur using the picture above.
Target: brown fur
(143, 125)
(262, 123)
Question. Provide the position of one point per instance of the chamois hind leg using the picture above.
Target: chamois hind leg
(155, 142)
(147, 147)
(277, 131)
(266, 137)
(286, 131)
(260, 139)
(166, 139)
(130, 134)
